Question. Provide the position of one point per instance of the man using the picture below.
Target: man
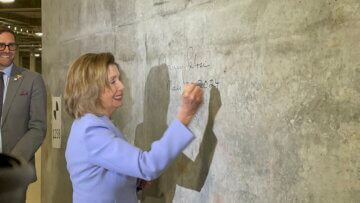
(23, 106)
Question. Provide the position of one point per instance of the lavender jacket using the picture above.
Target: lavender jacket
(104, 167)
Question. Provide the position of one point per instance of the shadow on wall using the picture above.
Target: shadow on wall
(183, 171)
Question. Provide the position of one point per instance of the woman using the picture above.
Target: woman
(103, 166)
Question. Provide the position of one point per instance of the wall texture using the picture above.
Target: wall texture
(280, 121)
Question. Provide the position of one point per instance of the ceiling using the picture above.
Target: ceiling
(24, 17)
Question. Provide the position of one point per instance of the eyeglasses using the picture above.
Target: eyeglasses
(12, 46)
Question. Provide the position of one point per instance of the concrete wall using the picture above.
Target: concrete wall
(282, 124)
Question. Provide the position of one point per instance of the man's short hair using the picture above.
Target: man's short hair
(6, 29)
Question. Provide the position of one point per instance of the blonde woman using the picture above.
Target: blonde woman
(103, 166)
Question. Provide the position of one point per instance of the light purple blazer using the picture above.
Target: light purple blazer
(104, 167)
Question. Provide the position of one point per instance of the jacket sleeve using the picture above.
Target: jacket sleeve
(114, 153)
(33, 138)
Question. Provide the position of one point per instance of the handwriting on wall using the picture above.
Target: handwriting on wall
(208, 83)
(192, 61)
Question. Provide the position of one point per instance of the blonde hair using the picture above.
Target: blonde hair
(85, 81)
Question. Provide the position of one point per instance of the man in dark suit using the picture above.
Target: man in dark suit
(23, 106)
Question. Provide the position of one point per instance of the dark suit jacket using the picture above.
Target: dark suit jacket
(23, 125)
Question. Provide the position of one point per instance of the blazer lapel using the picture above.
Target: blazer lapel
(13, 85)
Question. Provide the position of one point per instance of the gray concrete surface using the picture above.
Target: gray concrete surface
(283, 123)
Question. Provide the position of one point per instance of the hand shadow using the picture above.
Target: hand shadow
(183, 171)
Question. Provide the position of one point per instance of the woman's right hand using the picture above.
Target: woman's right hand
(191, 100)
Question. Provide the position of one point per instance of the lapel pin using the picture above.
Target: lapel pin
(17, 77)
